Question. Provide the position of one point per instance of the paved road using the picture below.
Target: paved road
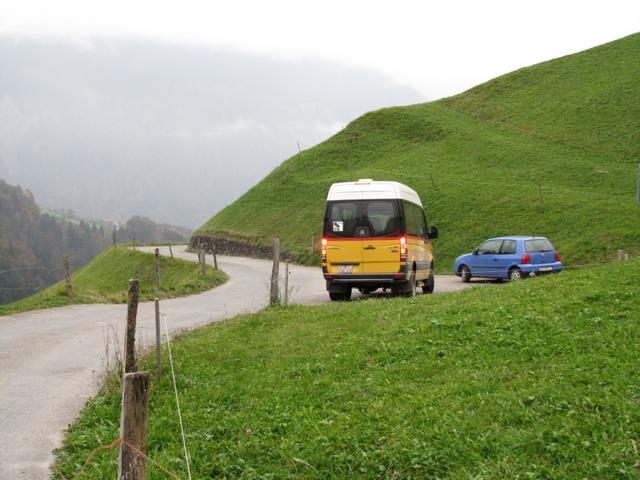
(49, 359)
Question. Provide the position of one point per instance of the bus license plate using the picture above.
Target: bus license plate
(345, 268)
(546, 269)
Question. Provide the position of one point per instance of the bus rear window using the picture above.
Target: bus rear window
(363, 218)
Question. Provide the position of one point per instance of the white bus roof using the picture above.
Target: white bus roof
(367, 189)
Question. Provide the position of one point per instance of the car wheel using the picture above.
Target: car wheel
(515, 274)
(429, 284)
(465, 274)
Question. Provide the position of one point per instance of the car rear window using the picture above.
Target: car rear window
(538, 245)
(363, 218)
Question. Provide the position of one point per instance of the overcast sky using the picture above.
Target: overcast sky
(439, 48)
(174, 109)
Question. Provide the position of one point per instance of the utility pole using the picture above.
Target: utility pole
(540, 191)
(304, 160)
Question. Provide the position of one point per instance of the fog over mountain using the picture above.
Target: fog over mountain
(115, 127)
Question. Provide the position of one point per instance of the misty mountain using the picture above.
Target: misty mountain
(116, 127)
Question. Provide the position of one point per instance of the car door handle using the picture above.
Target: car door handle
(495, 259)
(370, 247)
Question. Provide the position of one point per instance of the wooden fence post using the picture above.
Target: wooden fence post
(170, 250)
(133, 426)
(158, 341)
(157, 268)
(275, 273)
(203, 261)
(130, 338)
(313, 244)
(134, 240)
(67, 276)
(215, 257)
(286, 283)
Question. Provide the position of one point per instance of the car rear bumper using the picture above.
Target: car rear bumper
(541, 269)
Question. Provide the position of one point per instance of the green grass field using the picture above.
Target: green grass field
(534, 379)
(106, 278)
(570, 126)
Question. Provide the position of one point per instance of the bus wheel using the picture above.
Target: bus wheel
(429, 284)
(340, 296)
(411, 286)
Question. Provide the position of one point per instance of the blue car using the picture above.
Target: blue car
(509, 258)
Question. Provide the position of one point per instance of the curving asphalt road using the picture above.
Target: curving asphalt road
(50, 359)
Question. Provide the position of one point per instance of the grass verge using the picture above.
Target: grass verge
(105, 280)
(535, 379)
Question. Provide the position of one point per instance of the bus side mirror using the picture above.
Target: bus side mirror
(433, 232)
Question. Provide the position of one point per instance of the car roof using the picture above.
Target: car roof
(518, 237)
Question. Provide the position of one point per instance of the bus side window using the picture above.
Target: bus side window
(413, 224)
(423, 220)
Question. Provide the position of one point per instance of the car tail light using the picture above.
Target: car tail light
(557, 255)
(525, 259)
(403, 249)
(324, 250)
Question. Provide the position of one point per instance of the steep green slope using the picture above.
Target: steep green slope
(106, 278)
(534, 379)
(569, 127)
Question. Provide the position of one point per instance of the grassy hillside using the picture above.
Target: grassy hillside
(534, 379)
(570, 126)
(106, 278)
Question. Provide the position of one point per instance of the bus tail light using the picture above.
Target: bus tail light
(403, 249)
(557, 256)
(526, 259)
(324, 250)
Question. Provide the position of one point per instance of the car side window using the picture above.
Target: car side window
(508, 247)
(490, 247)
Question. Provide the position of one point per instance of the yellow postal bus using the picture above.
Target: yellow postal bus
(375, 236)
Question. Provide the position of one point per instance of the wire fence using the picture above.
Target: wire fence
(119, 442)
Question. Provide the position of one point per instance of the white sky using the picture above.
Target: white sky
(440, 48)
